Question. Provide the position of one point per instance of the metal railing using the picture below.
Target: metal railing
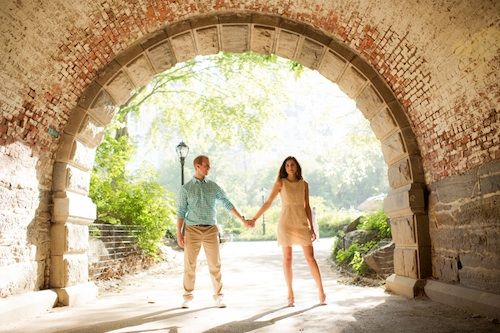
(110, 246)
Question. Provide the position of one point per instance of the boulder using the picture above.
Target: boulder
(381, 258)
(353, 225)
(359, 236)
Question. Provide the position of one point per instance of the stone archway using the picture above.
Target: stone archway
(73, 210)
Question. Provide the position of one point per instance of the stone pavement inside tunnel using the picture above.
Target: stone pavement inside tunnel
(256, 297)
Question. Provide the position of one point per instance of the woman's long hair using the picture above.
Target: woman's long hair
(284, 174)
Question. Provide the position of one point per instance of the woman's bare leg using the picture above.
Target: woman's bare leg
(287, 270)
(313, 267)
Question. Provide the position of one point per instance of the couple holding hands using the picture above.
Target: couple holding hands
(196, 213)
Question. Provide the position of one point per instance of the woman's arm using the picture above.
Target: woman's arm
(307, 207)
(276, 189)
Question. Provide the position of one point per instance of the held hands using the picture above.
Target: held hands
(249, 223)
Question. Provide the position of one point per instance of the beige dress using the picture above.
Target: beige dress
(293, 227)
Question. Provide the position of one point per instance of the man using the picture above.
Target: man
(196, 212)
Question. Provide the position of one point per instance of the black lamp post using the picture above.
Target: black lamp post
(182, 150)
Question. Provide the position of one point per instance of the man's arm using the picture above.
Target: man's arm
(181, 213)
(237, 214)
(226, 203)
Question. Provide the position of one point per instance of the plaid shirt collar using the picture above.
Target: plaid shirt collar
(196, 180)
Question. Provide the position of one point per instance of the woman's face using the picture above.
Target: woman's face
(291, 167)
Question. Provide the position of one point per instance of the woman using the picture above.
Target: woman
(295, 226)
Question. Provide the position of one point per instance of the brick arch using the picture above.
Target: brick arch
(133, 68)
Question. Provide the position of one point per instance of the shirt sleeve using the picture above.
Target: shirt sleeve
(182, 203)
(222, 197)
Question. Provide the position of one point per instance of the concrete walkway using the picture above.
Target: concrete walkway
(255, 295)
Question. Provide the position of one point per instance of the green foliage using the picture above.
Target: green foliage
(226, 221)
(353, 256)
(147, 204)
(378, 222)
(129, 199)
(358, 264)
(94, 231)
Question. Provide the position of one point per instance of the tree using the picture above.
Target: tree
(126, 199)
(211, 97)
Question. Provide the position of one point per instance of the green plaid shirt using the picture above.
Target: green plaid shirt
(197, 199)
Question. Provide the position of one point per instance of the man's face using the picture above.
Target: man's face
(203, 167)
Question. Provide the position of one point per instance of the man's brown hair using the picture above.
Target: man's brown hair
(199, 160)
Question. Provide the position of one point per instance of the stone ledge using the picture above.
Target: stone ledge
(77, 295)
(404, 286)
(471, 300)
(19, 307)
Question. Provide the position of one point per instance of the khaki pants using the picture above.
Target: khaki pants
(194, 238)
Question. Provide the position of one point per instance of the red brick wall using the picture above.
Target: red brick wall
(442, 63)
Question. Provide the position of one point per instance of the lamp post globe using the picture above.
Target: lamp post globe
(182, 151)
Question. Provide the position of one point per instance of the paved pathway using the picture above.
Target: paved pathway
(255, 295)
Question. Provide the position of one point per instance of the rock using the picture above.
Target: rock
(359, 236)
(353, 225)
(381, 258)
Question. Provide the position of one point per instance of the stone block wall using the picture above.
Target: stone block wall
(464, 223)
(24, 222)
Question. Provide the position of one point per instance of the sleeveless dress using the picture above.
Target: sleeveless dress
(293, 227)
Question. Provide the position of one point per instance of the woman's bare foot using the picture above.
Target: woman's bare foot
(291, 300)
(322, 298)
